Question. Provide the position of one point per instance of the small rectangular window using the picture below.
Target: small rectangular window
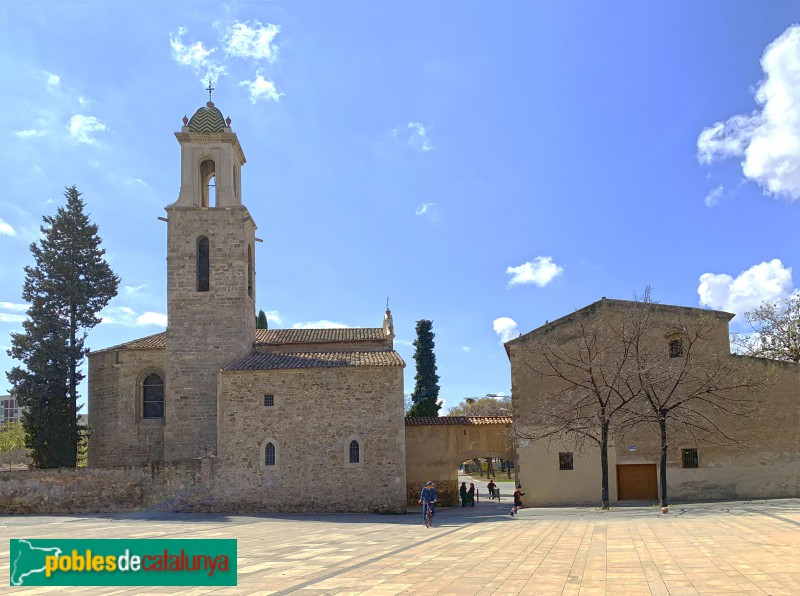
(690, 459)
(565, 461)
(269, 401)
(675, 348)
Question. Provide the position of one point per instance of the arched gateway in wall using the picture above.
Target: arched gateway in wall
(436, 446)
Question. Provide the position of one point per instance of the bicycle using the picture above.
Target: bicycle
(428, 505)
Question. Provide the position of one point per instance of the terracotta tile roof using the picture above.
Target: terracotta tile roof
(316, 336)
(260, 361)
(423, 421)
(157, 341)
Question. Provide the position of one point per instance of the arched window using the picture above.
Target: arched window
(202, 264)
(153, 396)
(208, 184)
(269, 455)
(249, 271)
(354, 451)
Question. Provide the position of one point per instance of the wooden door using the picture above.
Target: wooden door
(637, 482)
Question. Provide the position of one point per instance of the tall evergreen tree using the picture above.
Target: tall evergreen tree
(261, 320)
(69, 284)
(425, 398)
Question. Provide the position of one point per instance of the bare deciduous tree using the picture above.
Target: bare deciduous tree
(638, 364)
(775, 331)
(686, 383)
(592, 383)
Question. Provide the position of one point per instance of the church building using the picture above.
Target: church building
(294, 418)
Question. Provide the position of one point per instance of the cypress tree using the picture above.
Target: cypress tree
(69, 284)
(261, 320)
(425, 398)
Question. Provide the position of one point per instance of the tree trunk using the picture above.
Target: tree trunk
(489, 467)
(662, 424)
(73, 385)
(604, 463)
(478, 465)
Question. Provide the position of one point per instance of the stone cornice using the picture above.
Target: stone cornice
(223, 137)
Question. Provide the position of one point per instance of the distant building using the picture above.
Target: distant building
(9, 409)
(764, 464)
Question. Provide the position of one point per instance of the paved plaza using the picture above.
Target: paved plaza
(747, 547)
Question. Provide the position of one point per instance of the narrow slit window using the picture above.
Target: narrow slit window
(355, 455)
(249, 271)
(269, 455)
(202, 264)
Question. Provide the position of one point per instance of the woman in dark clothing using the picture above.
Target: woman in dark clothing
(463, 493)
(471, 495)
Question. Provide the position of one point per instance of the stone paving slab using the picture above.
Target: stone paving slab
(721, 548)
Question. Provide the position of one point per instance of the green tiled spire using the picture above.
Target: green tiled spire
(207, 119)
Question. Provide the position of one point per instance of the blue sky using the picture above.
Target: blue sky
(486, 169)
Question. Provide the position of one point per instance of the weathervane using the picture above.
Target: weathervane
(209, 89)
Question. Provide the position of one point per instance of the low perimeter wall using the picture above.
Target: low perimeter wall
(174, 486)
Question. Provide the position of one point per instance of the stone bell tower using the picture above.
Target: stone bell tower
(210, 281)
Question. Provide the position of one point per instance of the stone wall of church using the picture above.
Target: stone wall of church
(316, 413)
(207, 330)
(119, 434)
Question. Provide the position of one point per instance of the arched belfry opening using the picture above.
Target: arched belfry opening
(208, 183)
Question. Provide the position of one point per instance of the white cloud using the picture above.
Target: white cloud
(404, 342)
(30, 132)
(151, 318)
(419, 137)
(53, 80)
(506, 328)
(273, 317)
(6, 229)
(196, 56)
(126, 316)
(714, 196)
(81, 126)
(541, 271)
(423, 209)
(323, 324)
(7, 318)
(15, 306)
(252, 40)
(768, 138)
(132, 290)
(465, 348)
(765, 281)
(261, 88)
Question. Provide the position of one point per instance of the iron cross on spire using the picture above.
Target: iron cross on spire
(209, 89)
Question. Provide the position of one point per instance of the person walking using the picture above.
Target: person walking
(518, 494)
(490, 487)
(471, 494)
(462, 492)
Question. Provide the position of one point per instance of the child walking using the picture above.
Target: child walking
(518, 494)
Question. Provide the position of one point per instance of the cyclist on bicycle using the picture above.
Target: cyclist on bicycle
(427, 498)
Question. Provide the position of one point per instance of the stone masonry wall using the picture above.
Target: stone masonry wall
(207, 330)
(317, 413)
(761, 461)
(119, 434)
(181, 486)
